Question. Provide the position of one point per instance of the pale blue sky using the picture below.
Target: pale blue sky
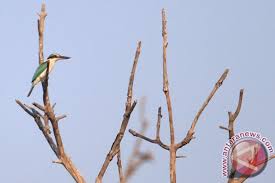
(205, 38)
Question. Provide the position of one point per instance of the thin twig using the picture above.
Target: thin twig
(57, 161)
(38, 106)
(224, 128)
(115, 148)
(181, 156)
(61, 117)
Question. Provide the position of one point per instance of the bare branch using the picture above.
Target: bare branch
(154, 141)
(61, 117)
(232, 117)
(230, 129)
(53, 106)
(24, 108)
(164, 46)
(119, 165)
(132, 77)
(34, 111)
(157, 138)
(40, 125)
(168, 101)
(57, 161)
(115, 148)
(191, 131)
(216, 87)
(224, 128)
(40, 107)
(181, 156)
(158, 124)
(41, 27)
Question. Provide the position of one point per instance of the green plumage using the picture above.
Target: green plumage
(42, 67)
(40, 72)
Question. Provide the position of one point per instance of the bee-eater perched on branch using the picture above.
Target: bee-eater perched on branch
(41, 71)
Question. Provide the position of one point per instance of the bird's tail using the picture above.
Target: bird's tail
(30, 91)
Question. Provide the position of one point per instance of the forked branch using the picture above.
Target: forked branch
(231, 131)
(37, 118)
(157, 138)
(115, 148)
(232, 116)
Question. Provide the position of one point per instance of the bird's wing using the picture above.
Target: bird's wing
(42, 67)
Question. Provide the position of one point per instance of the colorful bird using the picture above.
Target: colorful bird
(41, 71)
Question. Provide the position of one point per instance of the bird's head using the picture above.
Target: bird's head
(55, 57)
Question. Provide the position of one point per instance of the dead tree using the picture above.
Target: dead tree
(231, 132)
(45, 114)
(173, 146)
(47, 109)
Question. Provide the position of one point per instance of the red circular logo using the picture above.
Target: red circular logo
(248, 158)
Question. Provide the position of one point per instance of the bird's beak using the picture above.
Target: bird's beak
(64, 57)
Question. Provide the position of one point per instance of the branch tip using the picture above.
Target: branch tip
(223, 128)
(57, 161)
(182, 156)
